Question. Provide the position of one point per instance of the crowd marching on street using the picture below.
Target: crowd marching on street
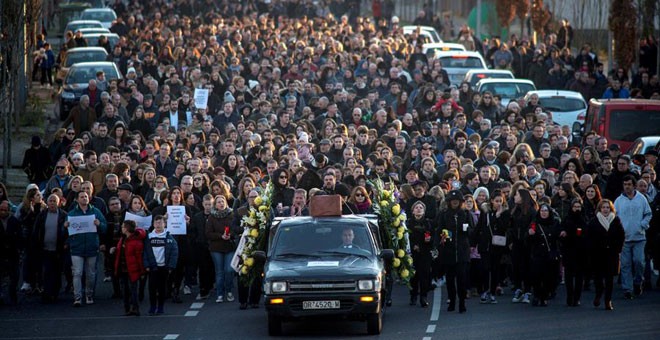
(502, 203)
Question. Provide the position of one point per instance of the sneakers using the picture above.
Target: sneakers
(26, 287)
(485, 298)
(220, 299)
(628, 296)
(517, 296)
(492, 300)
(187, 290)
(107, 279)
(77, 303)
(230, 297)
(526, 297)
(89, 300)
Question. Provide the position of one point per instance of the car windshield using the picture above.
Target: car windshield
(322, 239)
(79, 57)
(75, 27)
(628, 125)
(98, 15)
(82, 75)
(562, 104)
(461, 62)
(508, 90)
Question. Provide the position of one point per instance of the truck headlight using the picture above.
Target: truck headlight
(278, 287)
(366, 285)
(68, 95)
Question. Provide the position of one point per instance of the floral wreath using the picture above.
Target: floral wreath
(393, 221)
(255, 224)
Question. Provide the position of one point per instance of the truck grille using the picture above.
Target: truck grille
(323, 286)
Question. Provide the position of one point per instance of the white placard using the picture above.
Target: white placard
(143, 222)
(81, 224)
(201, 98)
(176, 219)
(235, 261)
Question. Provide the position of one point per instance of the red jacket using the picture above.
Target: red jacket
(133, 253)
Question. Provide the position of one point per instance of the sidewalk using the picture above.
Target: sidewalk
(16, 178)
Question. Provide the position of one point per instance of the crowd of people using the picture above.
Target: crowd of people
(322, 99)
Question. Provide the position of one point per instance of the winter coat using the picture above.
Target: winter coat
(543, 244)
(171, 253)
(519, 226)
(456, 248)
(418, 230)
(132, 248)
(37, 164)
(40, 230)
(86, 244)
(605, 246)
(9, 239)
(574, 247)
(218, 224)
(635, 215)
(490, 225)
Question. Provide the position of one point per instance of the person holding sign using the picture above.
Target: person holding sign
(84, 225)
(222, 245)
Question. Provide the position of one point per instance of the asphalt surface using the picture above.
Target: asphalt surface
(205, 319)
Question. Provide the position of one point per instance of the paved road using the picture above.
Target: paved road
(204, 319)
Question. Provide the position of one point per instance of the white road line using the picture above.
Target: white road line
(437, 304)
(82, 318)
(171, 337)
(426, 338)
(191, 313)
(430, 329)
(197, 305)
(121, 336)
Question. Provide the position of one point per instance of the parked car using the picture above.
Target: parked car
(621, 121)
(428, 32)
(75, 25)
(644, 144)
(93, 39)
(430, 49)
(473, 76)
(566, 107)
(79, 55)
(458, 63)
(105, 15)
(508, 89)
(94, 30)
(77, 80)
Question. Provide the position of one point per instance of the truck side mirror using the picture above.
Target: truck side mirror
(259, 255)
(387, 254)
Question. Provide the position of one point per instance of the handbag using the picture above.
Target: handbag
(496, 240)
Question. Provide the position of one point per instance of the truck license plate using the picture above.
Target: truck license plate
(321, 304)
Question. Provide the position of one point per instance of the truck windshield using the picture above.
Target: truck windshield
(323, 238)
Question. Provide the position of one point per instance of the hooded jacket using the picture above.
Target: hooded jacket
(132, 248)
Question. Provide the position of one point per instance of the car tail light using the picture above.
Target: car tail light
(582, 116)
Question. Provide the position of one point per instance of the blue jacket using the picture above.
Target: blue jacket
(86, 244)
(171, 253)
(635, 215)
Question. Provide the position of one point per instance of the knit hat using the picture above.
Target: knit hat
(229, 98)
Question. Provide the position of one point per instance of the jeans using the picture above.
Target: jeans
(78, 263)
(224, 274)
(130, 289)
(632, 264)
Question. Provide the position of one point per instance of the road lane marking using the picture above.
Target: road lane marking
(430, 329)
(122, 336)
(426, 338)
(437, 304)
(191, 313)
(197, 305)
(171, 337)
(79, 318)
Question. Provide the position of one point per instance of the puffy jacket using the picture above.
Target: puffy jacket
(86, 244)
(171, 253)
(133, 252)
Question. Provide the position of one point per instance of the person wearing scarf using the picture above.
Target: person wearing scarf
(222, 245)
(605, 236)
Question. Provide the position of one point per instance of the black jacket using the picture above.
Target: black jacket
(490, 225)
(543, 244)
(605, 246)
(456, 249)
(574, 246)
(40, 230)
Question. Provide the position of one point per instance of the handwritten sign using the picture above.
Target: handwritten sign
(81, 224)
(176, 219)
(236, 260)
(143, 222)
(201, 98)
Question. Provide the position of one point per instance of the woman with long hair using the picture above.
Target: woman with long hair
(561, 201)
(246, 184)
(574, 251)
(282, 191)
(147, 182)
(591, 198)
(544, 250)
(606, 237)
(361, 200)
(421, 242)
(492, 230)
(120, 135)
(231, 165)
(153, 194)
(522, 215)
(222, 245)
(200, 184)
(140, 123)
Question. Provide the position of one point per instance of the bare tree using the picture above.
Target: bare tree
(623, 24)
